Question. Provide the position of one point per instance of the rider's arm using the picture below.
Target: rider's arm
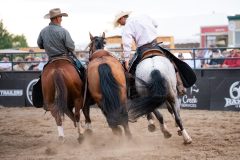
(40, 41)
(127, 41)
(69, 42)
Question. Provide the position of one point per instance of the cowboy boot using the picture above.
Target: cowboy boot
(180, 88)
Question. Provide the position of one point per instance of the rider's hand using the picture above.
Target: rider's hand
(127, 64)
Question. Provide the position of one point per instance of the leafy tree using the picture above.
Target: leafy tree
(19, 41)
(8, 40)
(5, 37)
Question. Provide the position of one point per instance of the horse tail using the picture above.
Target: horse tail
(111, 104)
(157, 92)
(60, 103)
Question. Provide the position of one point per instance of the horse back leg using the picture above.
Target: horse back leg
(151, 125)
(78, 105)
(170, 110)
(163, 126)
(187, 139)
(127, 130)
(86, 108)
(116, 130)
(60, 129)
(86, 113)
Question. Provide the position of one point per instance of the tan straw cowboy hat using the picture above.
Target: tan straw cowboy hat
(55, 13)
(120, 15)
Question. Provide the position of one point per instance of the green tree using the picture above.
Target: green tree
(8, 40)
(5, 37)
(19, 41)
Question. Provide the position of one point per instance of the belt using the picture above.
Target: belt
(59, 55)
(149, 45)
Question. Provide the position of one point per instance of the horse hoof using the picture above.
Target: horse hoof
(80, 139)
(167, 135)
(188, 141)
(88, 132)
(151, 128)
(179, 132)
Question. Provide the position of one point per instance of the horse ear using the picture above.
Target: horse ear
(91, 37)
(103, 35)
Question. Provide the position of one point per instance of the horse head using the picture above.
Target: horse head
(96, 43)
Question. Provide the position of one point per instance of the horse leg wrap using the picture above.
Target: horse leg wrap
(187, 139)
(60, 131)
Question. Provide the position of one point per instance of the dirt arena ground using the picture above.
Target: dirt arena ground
(29, 134)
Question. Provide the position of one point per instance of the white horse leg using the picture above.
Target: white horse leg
(88, 128)
(60, 133)
(79, 128)
(187, 139)
(176, 110)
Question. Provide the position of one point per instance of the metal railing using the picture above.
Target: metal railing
(195, 56)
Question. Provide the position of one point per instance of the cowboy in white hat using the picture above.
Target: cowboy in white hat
(120, 18)
(143, 31)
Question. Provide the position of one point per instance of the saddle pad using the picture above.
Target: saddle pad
(187, 74)
(37, 96)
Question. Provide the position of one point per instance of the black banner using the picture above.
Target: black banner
(217, 89)
(16, 88)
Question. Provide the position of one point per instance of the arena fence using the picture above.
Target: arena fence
(215, 89)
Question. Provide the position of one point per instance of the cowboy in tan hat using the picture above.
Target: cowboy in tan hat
(56, 12)
(56, 40)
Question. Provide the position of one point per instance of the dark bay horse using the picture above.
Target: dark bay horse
(107, 86)
(62, 90)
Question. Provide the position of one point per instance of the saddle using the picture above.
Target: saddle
(151, 53)
(76, 63)
(37, 96)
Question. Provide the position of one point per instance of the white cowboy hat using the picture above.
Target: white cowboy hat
(55, 13)
(120, 15)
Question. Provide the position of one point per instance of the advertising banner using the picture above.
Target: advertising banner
(225, 94)
(198, 96)
(12, 93)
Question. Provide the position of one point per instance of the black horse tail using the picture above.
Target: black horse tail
(60, 103)
(111, 106)
(157, 92)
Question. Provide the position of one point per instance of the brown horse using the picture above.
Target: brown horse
(107, 86)
(62, 90)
